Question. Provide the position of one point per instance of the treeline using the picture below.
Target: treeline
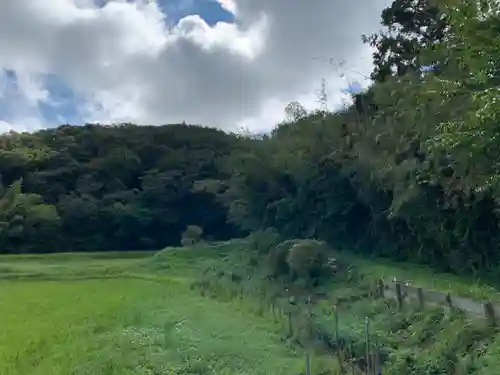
(409, 171)
(110, 188)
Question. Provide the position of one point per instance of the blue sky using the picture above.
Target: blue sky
(65, 101)
(353, 88)
(120, 65)
(209, 10)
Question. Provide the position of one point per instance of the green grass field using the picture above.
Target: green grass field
(112, 314)
(138, 313)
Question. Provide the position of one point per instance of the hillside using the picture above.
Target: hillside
(409, 171)
(104, 188)
(185, 250)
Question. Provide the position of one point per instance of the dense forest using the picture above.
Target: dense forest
(107, 188)
(409, 171)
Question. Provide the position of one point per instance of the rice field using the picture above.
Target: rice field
(115, 313)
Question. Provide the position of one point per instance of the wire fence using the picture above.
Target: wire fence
(366, 356)
(360, 352)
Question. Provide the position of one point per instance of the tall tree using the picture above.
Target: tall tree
(410, 26)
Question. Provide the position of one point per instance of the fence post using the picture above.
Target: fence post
(377, 368)
(420, 295)
(337, 341)
(290, 327)
(336, 317)
(381, 287)
(448, 300)
(308, 364)
(489, 312)
(309, 316)
(399, 295)
(367, 348)
(353, 359)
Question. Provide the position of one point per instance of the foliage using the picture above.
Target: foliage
(308, 259)
(191, 235)
(26, 220)
(111, 187)
(295, 111)
(392, 175)
(433, 340)
(410, 171)
(264, 240)
(411, 26)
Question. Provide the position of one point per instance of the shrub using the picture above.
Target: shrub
(264, 240)
(308, 259)
(277, 258)
(277, 261)
(191, 235)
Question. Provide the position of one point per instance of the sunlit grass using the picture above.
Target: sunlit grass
(139, 314)
(425, 277)
(144, 320)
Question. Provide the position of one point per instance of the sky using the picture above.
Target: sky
(231, 64)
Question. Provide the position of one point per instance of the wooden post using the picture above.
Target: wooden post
(337, 339)
(353, 359)
(290, 327)
(308, 364)
(377, 368)
(309, 316)
(336, 317)
(399, 295)
(489, 313)
(448, 300)
(420, 295)
(381, 287)
(273, 307)
(367, 348)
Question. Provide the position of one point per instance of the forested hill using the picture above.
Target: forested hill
(409, 171)
(111, 188)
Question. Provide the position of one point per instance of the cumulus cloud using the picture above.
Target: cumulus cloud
(126, 62)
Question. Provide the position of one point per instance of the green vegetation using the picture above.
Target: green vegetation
(207, 309)
(86, 314)
(409, 173)
(103, 188)
(410, 340)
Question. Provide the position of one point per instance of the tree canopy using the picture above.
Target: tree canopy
(409, 171)
(104, 188)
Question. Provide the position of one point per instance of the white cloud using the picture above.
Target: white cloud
(22, 124)
(229, 5)
(130, 66)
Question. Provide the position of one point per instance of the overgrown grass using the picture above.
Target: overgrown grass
(146, 319)
(459, 285)
(429, 342)
(206, 310)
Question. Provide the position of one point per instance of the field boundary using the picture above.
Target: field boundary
(405, 293)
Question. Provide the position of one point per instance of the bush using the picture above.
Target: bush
(265, 240)
(308, 259)
(191, 235)
(277, 261)
(277, 258)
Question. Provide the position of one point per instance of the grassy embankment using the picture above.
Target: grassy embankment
(129, 313)
(138, 313)
(433, 341)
